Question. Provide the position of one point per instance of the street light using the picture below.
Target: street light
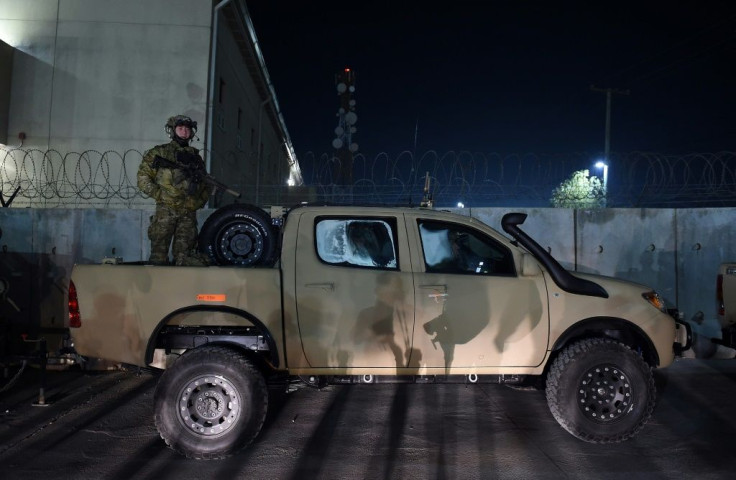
(605, 173)
(604, 166)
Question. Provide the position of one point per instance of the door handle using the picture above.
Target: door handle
(438, 291)
(324, 286)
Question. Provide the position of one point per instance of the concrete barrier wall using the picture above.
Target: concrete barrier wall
(676, 251)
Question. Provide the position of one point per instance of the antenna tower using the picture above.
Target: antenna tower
(343, 143)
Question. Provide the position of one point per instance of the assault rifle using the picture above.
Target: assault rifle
(187, 163)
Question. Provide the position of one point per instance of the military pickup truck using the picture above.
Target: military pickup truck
(726, 303)
(365, 295)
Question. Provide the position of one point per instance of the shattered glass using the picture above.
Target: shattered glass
(436, 246)
(365, 243)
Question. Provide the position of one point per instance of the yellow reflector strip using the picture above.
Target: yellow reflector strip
(211, 297)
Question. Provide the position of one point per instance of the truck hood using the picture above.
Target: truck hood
(614, 286)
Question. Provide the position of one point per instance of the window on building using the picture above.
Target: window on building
(221, 91)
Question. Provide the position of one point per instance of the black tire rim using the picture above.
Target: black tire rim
(241, 243)
(209, 405)
(605, 394)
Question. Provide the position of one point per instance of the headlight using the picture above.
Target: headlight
(655, 300)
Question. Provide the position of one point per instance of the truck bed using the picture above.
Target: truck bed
(122, 305)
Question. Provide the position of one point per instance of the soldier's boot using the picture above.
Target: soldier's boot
(158, 259)
(159, 251)
(193, 259)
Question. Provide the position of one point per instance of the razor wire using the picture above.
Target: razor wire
(107, 179)
(85, 179)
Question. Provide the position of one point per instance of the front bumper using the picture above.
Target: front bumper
(683, 334)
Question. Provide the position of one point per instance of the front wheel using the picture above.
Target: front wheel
(211, 403)
(601, 391)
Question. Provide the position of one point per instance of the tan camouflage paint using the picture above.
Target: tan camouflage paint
(338, 320)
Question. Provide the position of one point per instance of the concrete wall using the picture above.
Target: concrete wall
(92, 75)
(675, 251)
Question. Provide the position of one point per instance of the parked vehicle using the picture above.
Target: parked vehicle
(370, 295)
(726, 303)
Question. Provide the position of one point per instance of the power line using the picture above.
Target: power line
(697, 54)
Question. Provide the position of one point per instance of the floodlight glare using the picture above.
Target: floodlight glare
(604, 166)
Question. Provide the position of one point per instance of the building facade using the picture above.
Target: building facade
(86, 87)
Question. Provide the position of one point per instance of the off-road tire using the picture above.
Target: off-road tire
(239, 235)
(601, 391)
(210, 403)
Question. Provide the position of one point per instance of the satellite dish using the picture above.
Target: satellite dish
(339, 131)
(351, 118)
(353, 129)
(337, 143)
(352, 88)
(341, 87)
(353, 147)
(341, 110)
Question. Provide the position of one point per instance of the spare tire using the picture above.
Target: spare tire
(238, 234)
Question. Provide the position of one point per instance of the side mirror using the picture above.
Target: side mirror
(529, 266)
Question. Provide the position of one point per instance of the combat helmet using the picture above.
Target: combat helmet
(178, 120)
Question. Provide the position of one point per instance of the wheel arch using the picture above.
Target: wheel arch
(614, 328)
(272, 353)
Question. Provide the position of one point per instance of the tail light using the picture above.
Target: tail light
(75, 320)
(719, 295)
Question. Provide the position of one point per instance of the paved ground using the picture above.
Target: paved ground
(100, 426)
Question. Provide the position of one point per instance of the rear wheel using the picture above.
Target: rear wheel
(211, 403)
(601, 391)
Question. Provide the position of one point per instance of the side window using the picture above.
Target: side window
(451, 248)
(358, 242)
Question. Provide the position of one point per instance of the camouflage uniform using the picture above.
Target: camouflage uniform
(176, 206)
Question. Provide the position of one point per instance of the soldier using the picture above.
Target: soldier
(165, 175)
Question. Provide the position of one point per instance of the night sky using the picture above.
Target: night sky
(505, 77)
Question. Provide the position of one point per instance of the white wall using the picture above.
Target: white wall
(99, 75)
(104, 75)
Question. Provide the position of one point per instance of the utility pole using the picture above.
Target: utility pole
(608, 92)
